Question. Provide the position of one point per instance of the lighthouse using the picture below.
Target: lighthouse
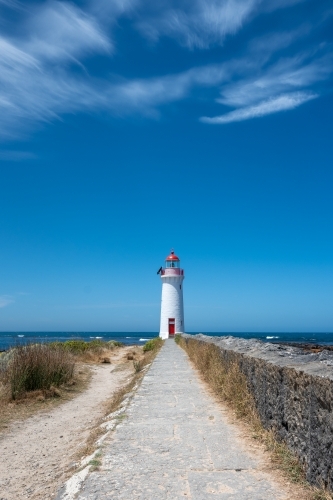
(172, 307)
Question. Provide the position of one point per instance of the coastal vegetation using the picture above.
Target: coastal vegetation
(230, 386)
(35, 367)
(153, 344)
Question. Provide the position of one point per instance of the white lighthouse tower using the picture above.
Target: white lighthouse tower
(172, 307)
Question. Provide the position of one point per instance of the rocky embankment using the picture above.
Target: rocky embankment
(293, 392)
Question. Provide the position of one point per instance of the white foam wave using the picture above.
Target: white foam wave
(272, 337)
(143, 340)
(20, 335)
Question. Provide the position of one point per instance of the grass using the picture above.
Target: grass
(94, 351)
(137, 366)
(148, 357)
(36, 401)
(230, 385)
(95, 464)
(36, 367)
(37, 370)
(153, 344)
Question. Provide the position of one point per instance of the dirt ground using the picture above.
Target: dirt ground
(39, 453)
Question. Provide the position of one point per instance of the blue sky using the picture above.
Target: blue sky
(130, 127)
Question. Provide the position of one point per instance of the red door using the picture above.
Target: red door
(171, 326)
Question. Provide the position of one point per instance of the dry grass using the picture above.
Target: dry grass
(230, 386)
(145, 360)
(36, 367)
(36, 401)
(25, 370)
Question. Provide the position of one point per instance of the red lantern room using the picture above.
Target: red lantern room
(172, 260)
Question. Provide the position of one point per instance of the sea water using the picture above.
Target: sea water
(9, 339)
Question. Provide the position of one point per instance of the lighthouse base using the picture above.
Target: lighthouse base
(167, 335)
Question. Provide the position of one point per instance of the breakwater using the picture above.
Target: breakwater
(293, 394)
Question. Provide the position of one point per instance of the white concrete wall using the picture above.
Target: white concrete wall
(172, 305)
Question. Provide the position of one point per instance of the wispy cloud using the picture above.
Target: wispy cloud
(110, 11)
(61, 31)
(16, 155)
(283, 102)
(6, 300)
(198, 23)
(273, 90)
(287, 74)
(43, 74)
(9, 3)
(272, 42)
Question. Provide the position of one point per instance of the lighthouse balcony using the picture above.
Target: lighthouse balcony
(172, 271)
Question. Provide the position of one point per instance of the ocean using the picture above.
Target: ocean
(9, 339)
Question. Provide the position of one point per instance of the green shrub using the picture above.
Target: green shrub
(114, 343)
(76, 346)
(153, 344)
(81, 346)
(138, 365)
(178, 338)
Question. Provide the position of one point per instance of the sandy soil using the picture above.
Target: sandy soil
(38, 454)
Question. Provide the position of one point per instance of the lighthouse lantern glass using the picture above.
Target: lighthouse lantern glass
(172, 263)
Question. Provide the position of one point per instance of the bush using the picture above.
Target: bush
(81, 346)
(37, 367)
(75, 346)
(114, 343)
(5, 358)
(138, 365)
(153, 344)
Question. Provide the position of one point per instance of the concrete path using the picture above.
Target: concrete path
(175, 444)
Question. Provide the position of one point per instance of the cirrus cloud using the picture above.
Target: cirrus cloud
(43, 74)
(6, 300)
(277, 104)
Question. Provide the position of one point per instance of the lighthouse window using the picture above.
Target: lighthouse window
(180, 286)
(172, 264)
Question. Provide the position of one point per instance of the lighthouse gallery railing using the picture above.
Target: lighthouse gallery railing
(172, 271)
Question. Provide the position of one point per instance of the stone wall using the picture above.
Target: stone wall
(293, 392)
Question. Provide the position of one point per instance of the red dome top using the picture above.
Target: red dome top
(172, 256)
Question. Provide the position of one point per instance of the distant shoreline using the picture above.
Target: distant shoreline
(309, 346)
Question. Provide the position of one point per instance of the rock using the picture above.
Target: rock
(106, 360)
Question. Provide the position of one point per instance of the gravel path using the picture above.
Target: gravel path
(176, 443)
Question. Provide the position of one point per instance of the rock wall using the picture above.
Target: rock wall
(293, 392)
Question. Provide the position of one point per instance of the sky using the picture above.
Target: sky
(130, 127)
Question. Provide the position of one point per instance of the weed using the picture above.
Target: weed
(178, 338)
(137, 366)
(153, 344)
(114, 343)
(95, 463)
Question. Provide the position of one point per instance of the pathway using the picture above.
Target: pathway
(176, 443)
